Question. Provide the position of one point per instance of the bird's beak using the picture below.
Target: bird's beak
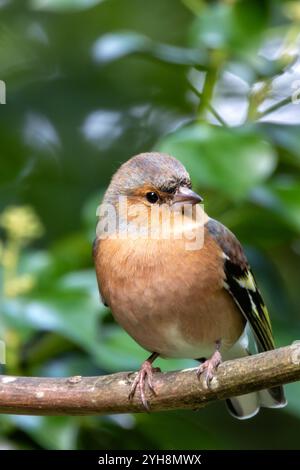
(186, 195)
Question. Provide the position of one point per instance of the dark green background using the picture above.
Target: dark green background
(91, 83)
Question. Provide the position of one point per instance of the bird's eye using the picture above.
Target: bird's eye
(152, 197)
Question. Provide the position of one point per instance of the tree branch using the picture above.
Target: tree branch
(175, 390)
(210, 108)
(275, 107)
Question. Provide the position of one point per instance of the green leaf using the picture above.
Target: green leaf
(116, 350)
(231, 161)
(81, 281)
(235, 27)
(287, 193)
(114, 46)
(72, 314)
(270, 228)
(68, 365)
(286, 137)
(282, 196)
(15, 53)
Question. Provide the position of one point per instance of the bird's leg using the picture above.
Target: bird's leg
(145, 376)
(209, 367)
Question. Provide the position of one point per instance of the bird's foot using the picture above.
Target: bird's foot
(208, 368)
(143, 380)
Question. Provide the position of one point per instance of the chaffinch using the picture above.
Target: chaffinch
(178, 302)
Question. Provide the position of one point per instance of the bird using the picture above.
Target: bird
(177, 301)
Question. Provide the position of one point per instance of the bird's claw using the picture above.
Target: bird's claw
(208, 368)
(144, 377)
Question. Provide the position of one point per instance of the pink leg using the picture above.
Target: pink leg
(209, 367)
(145, 376)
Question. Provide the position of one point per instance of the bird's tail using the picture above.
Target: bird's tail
(246, 406)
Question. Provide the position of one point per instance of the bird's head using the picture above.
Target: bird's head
(150, 196)
(152, 179)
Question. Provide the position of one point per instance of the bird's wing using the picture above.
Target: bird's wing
(240, 283)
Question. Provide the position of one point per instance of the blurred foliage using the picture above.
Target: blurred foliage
(89, 84)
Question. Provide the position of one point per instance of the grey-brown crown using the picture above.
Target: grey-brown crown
(158, 169)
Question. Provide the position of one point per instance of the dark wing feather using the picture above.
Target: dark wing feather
(241, 284)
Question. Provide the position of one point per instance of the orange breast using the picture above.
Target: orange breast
(169, 299)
